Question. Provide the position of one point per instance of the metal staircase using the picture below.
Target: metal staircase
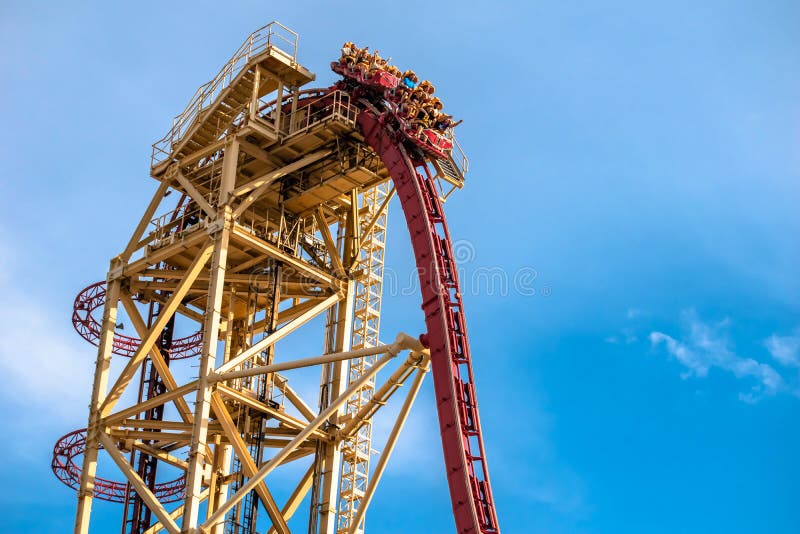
(356, 452)
(219, 102)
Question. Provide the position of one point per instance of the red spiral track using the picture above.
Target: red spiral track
(68, 471)
(93, 298)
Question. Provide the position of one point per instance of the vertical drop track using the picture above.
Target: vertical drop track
(456, 403)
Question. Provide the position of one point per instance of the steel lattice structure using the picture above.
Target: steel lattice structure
(280, 223)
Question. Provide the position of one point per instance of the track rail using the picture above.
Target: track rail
(67, 470)
(456, 402)
(92, 298)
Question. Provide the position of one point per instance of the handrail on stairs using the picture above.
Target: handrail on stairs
(274, 37)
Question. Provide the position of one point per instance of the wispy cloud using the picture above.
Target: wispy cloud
(784, 349)
(705, 346)
(634, 313)
(628, 337)
(45, 368)
(41, 359)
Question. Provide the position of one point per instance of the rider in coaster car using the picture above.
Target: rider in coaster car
(349, 52)
(443, 122)
(377, 63)
(422, 120)
(426, 86)
(422, 92)
(409, 80)
(394, 71)
(436, 108)
(419, 94)
(408, 109)
(363, 60)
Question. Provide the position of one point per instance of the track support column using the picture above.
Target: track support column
(208, 357)
(336, 383)
(99, 392)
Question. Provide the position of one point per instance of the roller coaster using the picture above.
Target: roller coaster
(277, 231)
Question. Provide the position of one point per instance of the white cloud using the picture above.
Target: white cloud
(706, 346)
(45, 368)
(38, 359)
(633, 313)
(628, 337)
(785, 349)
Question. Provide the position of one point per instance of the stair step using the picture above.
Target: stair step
(448, 168)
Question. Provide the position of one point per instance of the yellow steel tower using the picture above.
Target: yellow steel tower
(281, 218)
(277, 231)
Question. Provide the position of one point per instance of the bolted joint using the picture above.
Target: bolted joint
(224, 218)
(115, 272)
(215, 227)
(403, 341)
(420, 360)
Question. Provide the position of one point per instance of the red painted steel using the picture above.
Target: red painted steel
(68, 471)
(88, 327)
(465, 459)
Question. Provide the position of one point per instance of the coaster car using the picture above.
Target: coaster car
(380, 79)
(438, 140)
(430, 141)
(383, 79)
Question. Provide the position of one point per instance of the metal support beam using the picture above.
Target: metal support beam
(155, 355)
(101, 372)
(391, 441)
(208, 356)
(152, 402)
(260, 184)
(281, 455)
(299, 493)
(334, 383)
(381, 210)
(333, 252)
(175, 514)
(298, 402)
(147, 342)
(221, 375)
(145, 220)
(273, 338)
(297, 265)
(248, 464)
(141, 488)
(195, 194)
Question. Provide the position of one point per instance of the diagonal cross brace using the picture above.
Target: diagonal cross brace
(149, 340)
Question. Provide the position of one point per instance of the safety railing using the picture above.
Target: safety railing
(298, 241)
(337, 107)
(176, 222)
(458, 156)
(266, 38)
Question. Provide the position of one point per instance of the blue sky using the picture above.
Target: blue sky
(640, 159)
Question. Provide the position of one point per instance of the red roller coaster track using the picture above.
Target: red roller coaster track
(93, 298)
(465, 460)
(72, 445)
(404, 154)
